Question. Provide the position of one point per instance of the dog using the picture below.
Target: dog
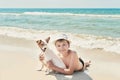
(49, 55)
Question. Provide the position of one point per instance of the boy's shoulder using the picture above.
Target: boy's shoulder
(72, 51)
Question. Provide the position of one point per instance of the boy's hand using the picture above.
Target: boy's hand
(41, 57)
(50, 64)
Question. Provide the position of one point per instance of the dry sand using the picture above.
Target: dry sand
(18, 62)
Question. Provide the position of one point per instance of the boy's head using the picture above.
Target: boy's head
(62, 38)
(62, 43)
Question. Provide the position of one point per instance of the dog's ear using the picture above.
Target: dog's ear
(47, 40)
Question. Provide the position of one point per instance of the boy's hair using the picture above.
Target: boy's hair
(61, 40)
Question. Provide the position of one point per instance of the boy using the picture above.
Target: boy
(69, 57)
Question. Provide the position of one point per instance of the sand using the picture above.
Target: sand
(18, 61)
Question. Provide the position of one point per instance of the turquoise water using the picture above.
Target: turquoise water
(100, 22)
(87, 28)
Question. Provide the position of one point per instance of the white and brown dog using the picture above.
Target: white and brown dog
(49, 55)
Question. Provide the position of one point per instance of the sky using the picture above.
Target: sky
(59, 3)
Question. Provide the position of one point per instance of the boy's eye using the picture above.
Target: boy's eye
(58, 46)
(63, 44)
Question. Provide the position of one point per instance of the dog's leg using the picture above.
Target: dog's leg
(42, 66)
(47, 70)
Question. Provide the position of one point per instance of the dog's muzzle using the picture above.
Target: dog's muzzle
(44, 48)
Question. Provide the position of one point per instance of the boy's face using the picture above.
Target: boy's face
(62, 46)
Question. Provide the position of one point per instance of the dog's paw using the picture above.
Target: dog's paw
(38, 69)
(47, 72)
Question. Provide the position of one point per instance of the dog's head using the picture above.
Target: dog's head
(43, 44)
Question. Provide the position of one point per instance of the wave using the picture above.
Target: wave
(61, 14)
(98, 42)
(15, 14)
(82, 40)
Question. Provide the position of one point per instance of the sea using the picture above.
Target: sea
(97, 28)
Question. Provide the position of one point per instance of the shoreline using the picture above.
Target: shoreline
(18, 61)
(84, 40)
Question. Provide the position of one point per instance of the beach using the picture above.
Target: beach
(93, 32)
(18, 60)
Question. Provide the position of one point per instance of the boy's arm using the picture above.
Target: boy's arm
(53, 67)
(67, 71)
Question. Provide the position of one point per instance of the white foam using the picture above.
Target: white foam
(82, 40)
(90, 41)
(59, 14)
(16, 14)
(29, 34)
(70, 14)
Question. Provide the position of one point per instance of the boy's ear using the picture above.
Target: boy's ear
(47, 40)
